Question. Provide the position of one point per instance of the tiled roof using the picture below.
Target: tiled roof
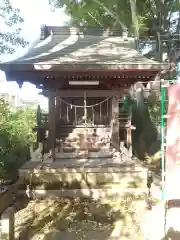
(67, 48)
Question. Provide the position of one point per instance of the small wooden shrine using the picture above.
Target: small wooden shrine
(85, 74)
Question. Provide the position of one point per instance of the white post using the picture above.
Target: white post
(36, 156)
(7, 224)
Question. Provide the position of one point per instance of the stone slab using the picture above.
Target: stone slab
(121, 178)
(50, 177)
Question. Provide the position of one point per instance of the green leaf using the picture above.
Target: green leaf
(11, 18)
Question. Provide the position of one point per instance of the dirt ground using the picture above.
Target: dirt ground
(116, 217)
(82, 219)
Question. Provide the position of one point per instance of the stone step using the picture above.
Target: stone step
(76, 139)
(93, 153)
(99, 131)
(140, 193)
(81, 130)
(77, 145)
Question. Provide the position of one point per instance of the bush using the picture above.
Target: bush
(16, 136)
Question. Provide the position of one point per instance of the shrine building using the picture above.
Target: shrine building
(85, 74)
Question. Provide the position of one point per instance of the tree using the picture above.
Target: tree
(142, 18)
(155, 14)
(9, 28)
(96, 12)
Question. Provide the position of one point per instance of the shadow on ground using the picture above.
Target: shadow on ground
(112, 217)
(68, 219)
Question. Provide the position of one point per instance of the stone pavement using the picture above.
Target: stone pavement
(167, 219)
(160, 224)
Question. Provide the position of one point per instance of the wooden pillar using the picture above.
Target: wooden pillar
(52, 126)
(7, 224)
(115, 122)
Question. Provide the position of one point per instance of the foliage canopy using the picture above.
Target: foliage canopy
(151, 15)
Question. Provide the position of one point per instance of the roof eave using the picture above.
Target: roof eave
(4, 67)
(80, 67)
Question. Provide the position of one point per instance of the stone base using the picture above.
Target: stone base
(47, 159)
(89, 177)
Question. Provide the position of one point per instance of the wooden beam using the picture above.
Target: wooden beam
(52, 126)
(80, 93)
(89, 93)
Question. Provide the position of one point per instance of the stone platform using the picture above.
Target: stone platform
(83, 173)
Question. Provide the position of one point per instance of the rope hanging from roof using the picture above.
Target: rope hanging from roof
(69, 107)
(88, 106)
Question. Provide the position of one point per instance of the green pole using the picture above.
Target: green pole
(162, 140)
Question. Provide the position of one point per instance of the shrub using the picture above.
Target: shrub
(16, 136)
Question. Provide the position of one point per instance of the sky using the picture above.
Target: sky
(35, 13)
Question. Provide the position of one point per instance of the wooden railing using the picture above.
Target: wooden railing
(7, 200)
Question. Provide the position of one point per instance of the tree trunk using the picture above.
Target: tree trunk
(135, 21)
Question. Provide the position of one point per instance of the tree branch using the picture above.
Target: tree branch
(113, 15)
(94, 19)
(151, 10)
